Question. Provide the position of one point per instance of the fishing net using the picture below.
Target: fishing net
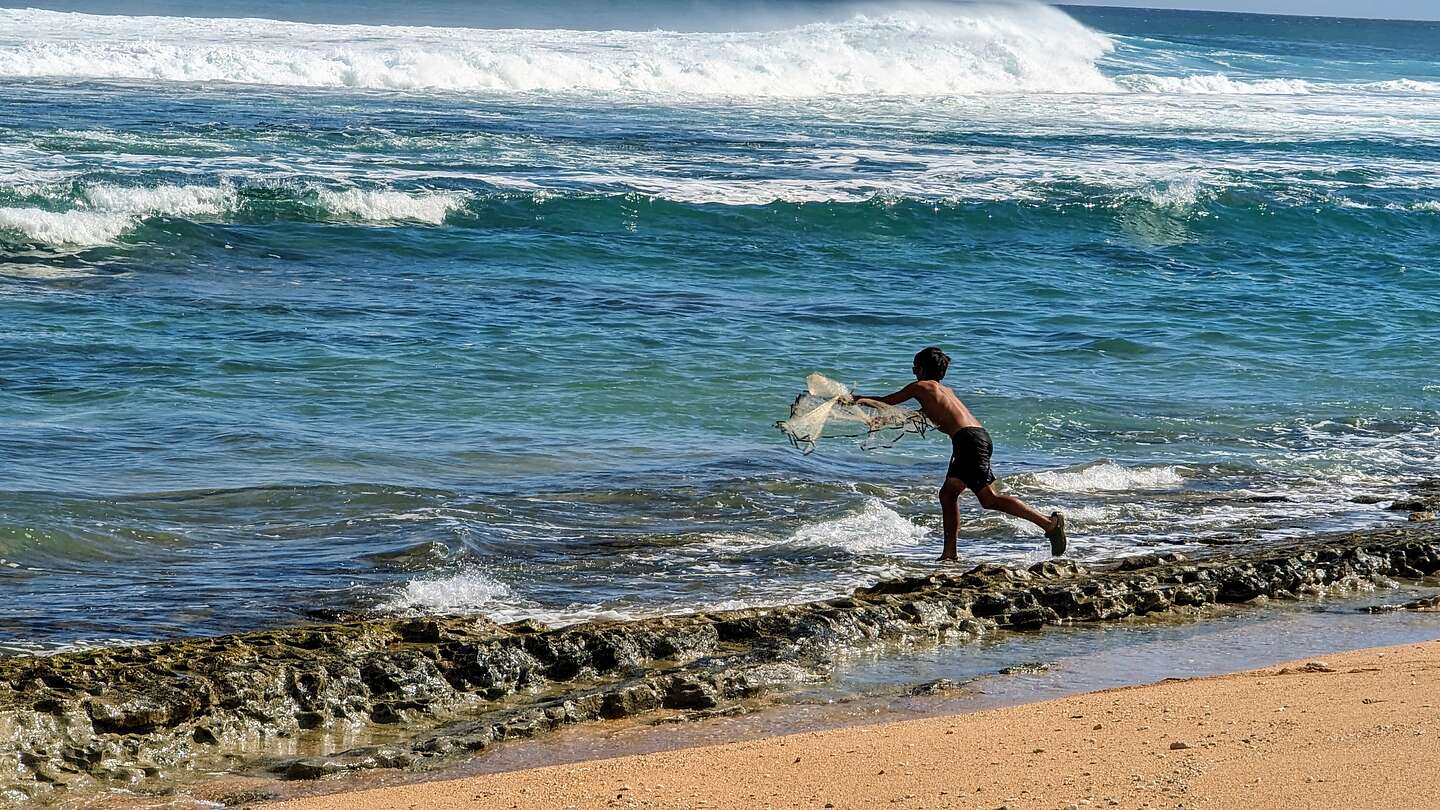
(826, 403)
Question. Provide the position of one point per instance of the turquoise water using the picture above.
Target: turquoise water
(392, 309)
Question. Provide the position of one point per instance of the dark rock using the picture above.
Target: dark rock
(935, 687)
(527, 626)
(455, 684)
(314, 768)
(1030, 668)
(687, 692)
(1424, 605)
(1027, 618)
(244, 797)
(1149, 561)
(630, 701)
(1057, 569)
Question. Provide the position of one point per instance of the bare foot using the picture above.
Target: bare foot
(1056, 535)
(948, 558)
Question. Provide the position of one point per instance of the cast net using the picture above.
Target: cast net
(829, 404)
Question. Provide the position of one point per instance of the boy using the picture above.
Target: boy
(970, 456)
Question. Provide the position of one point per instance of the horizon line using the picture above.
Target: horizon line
(1082, 4)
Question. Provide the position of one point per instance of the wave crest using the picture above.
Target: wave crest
(66, 227)
(103, 213)
(392, 206)
(922, 50)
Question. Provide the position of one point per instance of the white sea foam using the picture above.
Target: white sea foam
(932, 50)
(1219, 84)
(876, 526)
(391, 206)
(1214, 84)
(1428, 205)
(1107, 476)
(79, 228)
(165, 199)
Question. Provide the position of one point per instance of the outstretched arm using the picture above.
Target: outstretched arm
(903, 395)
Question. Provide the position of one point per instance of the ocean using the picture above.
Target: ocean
(319, 308)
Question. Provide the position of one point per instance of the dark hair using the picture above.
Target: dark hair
(932, 363)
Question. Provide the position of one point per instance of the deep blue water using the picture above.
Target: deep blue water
(318, 315)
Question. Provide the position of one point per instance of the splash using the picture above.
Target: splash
(465, 592)
(875, 527)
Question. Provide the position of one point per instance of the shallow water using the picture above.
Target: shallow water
(301, 313)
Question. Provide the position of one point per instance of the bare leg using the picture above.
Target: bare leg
(1011, 505)
(950, 515)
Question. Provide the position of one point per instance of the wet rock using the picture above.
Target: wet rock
(1424, 605)
(629, 701)
(452, 685)
(527, 626)
(1027, 618)
(1429, 603)
(314, 768)
(935, 687)
(1422, 516)
(1312, 667)
(244, 797)
(1028, 668)
(1149, 561)
(688, 692)
(1057, 569)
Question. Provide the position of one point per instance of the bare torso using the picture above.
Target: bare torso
(942, 407)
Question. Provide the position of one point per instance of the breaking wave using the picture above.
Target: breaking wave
(392, 206)
(102, 214)
(920, 50)
(65, 227)
(1107, 476)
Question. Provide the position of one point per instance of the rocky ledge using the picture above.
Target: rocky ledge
(437, 687)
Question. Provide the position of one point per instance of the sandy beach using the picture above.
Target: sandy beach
(1348, 731)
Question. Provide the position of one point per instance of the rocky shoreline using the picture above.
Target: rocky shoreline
(439, 687)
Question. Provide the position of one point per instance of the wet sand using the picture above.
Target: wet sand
(1352, 730)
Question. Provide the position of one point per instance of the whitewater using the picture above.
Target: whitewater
(353, 308)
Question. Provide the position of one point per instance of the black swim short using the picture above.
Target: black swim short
(970, 458)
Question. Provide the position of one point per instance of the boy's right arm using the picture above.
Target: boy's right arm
(903, 395)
